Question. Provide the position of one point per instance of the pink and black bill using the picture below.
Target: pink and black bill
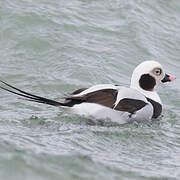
(168, 78)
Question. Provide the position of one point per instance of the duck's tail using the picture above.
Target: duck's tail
(29, 96)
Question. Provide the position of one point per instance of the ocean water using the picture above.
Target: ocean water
(51, 48)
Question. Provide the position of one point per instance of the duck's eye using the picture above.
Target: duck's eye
(157, 71)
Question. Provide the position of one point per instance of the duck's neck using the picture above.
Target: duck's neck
(149, 94)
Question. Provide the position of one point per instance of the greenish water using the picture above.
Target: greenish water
(50, 48)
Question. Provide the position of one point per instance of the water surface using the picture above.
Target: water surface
(50, 48)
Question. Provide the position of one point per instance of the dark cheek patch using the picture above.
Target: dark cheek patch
(147, 82)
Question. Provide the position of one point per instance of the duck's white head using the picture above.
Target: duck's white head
(146, 76)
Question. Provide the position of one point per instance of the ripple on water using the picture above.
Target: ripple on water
(50, 48)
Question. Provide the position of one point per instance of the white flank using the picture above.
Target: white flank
(98, 113)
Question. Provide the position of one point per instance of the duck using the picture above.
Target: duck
(114, 103)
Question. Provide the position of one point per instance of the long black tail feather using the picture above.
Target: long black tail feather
(29, 96)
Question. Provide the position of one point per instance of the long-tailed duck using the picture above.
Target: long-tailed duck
(120, 104)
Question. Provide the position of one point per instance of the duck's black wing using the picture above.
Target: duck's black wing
(107, 97)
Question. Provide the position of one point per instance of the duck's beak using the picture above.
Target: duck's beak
(168, 78)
